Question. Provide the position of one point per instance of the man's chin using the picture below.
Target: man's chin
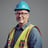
(20, 22)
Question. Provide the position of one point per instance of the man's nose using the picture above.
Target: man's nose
(20, 15)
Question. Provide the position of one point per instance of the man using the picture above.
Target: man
(24, 35)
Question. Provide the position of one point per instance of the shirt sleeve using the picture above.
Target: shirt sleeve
(6, 45)
(34, 39)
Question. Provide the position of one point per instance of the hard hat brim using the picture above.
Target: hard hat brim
(21, 9)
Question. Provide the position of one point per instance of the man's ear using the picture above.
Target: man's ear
(28, 15)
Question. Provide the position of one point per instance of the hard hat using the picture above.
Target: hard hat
(22, 5)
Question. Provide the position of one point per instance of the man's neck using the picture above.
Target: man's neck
(22, 24)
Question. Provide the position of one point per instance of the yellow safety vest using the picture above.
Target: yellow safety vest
(22, 39)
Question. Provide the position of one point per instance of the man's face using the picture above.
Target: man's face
(22, 16)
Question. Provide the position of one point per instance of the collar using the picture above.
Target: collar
(23, 27)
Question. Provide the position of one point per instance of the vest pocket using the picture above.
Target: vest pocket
(21, 44)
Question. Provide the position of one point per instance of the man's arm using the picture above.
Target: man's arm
(6, 45)
(34, 39)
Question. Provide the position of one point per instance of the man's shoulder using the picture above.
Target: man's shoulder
(35, 30)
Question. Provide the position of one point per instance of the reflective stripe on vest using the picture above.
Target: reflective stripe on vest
(22, 39)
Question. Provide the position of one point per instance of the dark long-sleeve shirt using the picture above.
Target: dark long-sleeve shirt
(34, 39)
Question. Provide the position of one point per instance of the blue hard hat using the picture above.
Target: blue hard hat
(22, 5)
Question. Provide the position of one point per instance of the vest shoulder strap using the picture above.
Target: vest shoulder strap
(28, 31)
(11, 35)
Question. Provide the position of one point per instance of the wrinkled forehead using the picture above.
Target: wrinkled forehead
(21, 10)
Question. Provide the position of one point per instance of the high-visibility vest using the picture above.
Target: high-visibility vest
(22, 39)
